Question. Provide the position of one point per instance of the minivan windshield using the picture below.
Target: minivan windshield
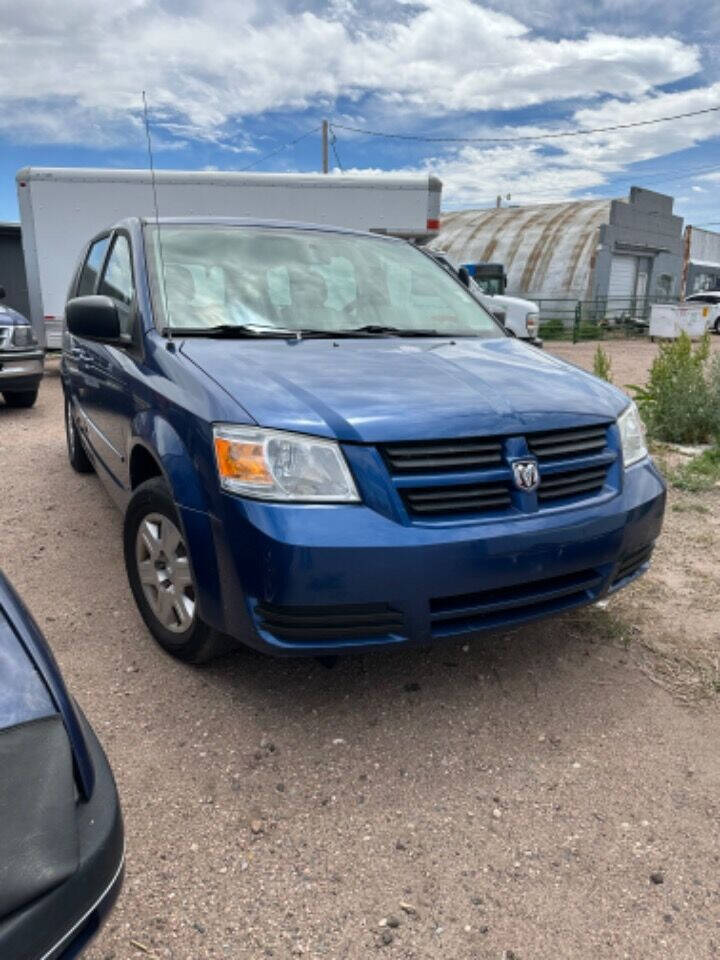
(269, 280)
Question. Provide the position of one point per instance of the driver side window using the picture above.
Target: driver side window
(117, 282)
(91, 267)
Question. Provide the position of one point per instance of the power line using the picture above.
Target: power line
(333, 144)
(283, 146)
(544, 136)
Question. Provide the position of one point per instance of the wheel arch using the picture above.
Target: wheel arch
(158, 450)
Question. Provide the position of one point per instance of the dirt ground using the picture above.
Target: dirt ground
(508, 798)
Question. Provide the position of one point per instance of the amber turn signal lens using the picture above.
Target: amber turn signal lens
(242, 461)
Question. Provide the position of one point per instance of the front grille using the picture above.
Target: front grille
(571, 483)
(443, 455)
(561, 444)
(468, 498)
(472, 476)
(324, 623)
(630, 563)
(492, 608)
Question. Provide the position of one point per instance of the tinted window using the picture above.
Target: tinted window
(91, 267)
(117, 282)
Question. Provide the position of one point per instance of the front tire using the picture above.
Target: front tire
(21, 399)
(717, 325)
(161, 578)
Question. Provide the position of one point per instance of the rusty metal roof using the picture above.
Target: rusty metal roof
(546, 248)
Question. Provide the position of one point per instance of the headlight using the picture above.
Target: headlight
(23, 337)
(632, 435)
(273, 465)
(532, 320)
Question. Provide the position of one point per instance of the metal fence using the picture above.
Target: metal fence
(602, 319)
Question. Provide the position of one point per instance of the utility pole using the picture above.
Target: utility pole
(325, 165)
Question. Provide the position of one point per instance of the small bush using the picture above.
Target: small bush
(700, 473)
(589, 331)
(681, 401)
(553, 329)
(601, 365)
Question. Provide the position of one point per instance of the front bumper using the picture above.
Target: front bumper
(313, 579)
(21, 370)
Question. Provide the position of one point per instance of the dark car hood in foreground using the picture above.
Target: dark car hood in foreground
(374, 390)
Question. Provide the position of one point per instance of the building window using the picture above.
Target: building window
(664, 285)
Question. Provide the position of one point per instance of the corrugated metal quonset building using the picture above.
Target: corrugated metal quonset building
(615, 250)
(702, 260)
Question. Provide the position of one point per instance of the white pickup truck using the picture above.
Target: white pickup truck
(487, 281)
(522, 317)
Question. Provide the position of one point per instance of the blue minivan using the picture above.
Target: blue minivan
(321, 442)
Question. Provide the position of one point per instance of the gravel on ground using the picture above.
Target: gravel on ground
(551, 792)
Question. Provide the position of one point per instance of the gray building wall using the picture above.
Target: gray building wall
(12, 269)
(559, 253)
(643, 226)
(702, 260)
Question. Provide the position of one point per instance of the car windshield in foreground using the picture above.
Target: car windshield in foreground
(226, 281)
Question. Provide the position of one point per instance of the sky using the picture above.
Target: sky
(230, 83)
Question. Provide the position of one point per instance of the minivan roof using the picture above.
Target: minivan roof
(256, 222)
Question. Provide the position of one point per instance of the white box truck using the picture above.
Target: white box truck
(61, 208)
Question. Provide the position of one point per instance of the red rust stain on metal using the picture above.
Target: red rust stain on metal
(533, 217)
(540, 253)
(587, 238)
(489, 251)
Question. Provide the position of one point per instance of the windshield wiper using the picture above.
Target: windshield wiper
(233, 330)
(378, 330)
(239, 331)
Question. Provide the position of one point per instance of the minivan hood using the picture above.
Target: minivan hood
(375, 390)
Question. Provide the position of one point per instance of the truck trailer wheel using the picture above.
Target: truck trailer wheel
(20, 398)
(161, 578)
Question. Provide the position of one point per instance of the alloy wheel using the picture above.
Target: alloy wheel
(164, 571)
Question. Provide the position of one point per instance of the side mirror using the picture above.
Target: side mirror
(464, 276)
(94, 318)
(2, 293)
(500, 316)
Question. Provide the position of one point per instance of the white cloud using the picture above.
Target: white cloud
(73, 73)
(77, 69)
(476, 174)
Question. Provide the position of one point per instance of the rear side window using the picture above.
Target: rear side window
(117, 282)
(91, 267)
